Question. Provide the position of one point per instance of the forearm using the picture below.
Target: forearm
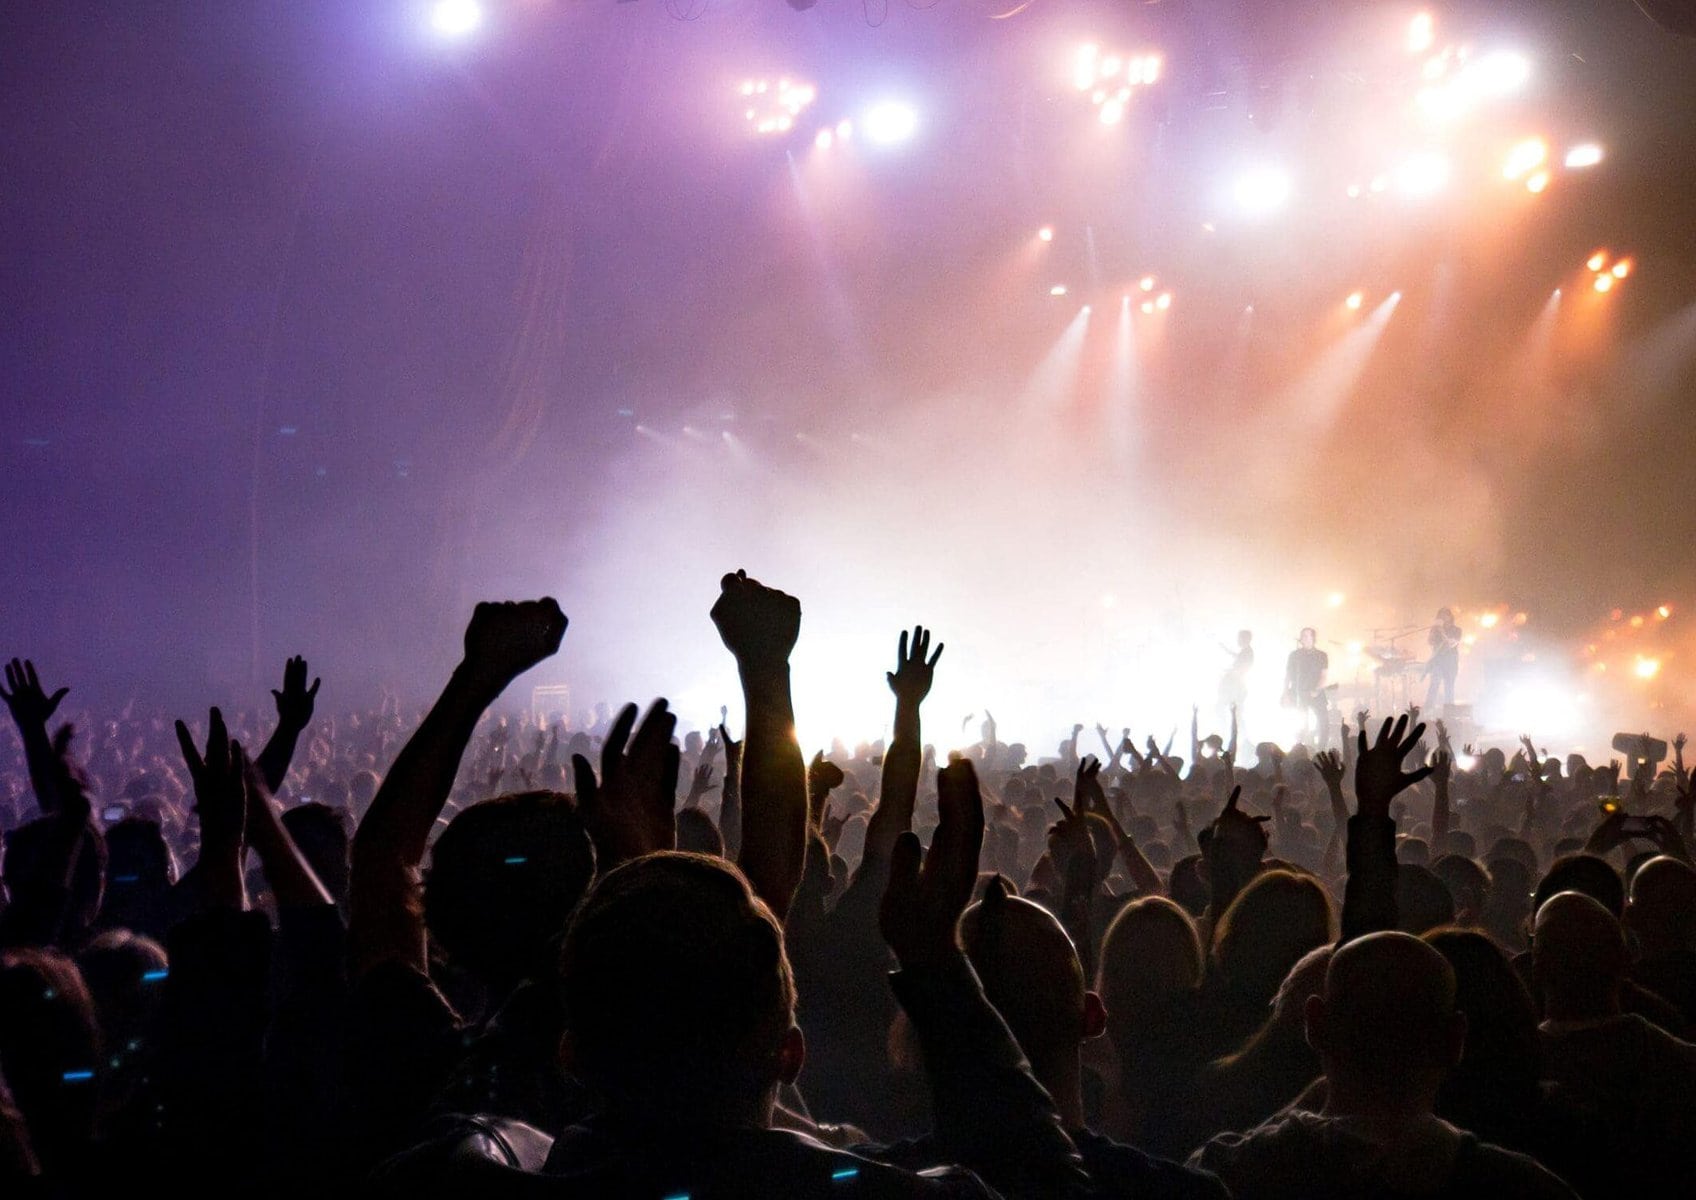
(1339, 806)
(991, 1114)
(43, 764)
(385, 919)
(291, 878)
(774, 790)
(1440, 810)
(1369, 895)
(273, 761)
(417, 786)
(1141, 871)
(898, 791)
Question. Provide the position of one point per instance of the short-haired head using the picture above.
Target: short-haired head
(504, 877)
(678, 997)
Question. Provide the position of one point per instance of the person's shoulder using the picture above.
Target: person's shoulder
(1487, 1169)
(1123, 1170)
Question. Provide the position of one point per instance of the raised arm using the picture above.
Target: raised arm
(32, 708)
(991, 1114)
(915, 670)
(730, 797)
(1442, 764)
(386, 921)
(759, 626)
(294, 714)
(1369, 896)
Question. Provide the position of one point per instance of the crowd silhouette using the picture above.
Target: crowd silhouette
(476, 952)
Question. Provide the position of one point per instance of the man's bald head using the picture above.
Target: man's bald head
(1662, 908)
(1580, 956)
(1387, 1011)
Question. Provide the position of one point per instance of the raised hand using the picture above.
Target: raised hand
(1442, 763)
(700, 783)
(506, 639)
(822, 776)
(1378, 774)
(220, 801)
(1329, 764)
(1087, 793)
(757, 624)
(629, 810)
(24, 695)
(920, 912)
(915, 667)
(296, 700)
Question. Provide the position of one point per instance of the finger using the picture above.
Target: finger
(935, 657)
(724, 734)
(217, 745)
(584, 777)
(1360, 742)
(671, 762)
(31, 676)
(1066, 812)
(191, 756)
(618, 735)
(901, 653)
(276, 695)
(312, 692)
(1419, 732)
(53, 700)
(656, 729)
(1414, 777)
(1236, 795)
(904, 868)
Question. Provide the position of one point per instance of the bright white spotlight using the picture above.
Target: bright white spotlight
(1164, 302)
(456, 18)
(1620, 269)
(1587, 154)
(1421, 32)
(1537, 181)
(1146, 283)
(1524, 156)
(823, 139)
(1147, 307)
(1596, 261)
(1083, 67)
(890, 122)
(1423, 174)
(1046, 233)
(1502, 72)
(1058, 289)
(1261, 191)
(1354, 301)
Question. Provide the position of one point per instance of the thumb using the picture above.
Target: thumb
(583, 776)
